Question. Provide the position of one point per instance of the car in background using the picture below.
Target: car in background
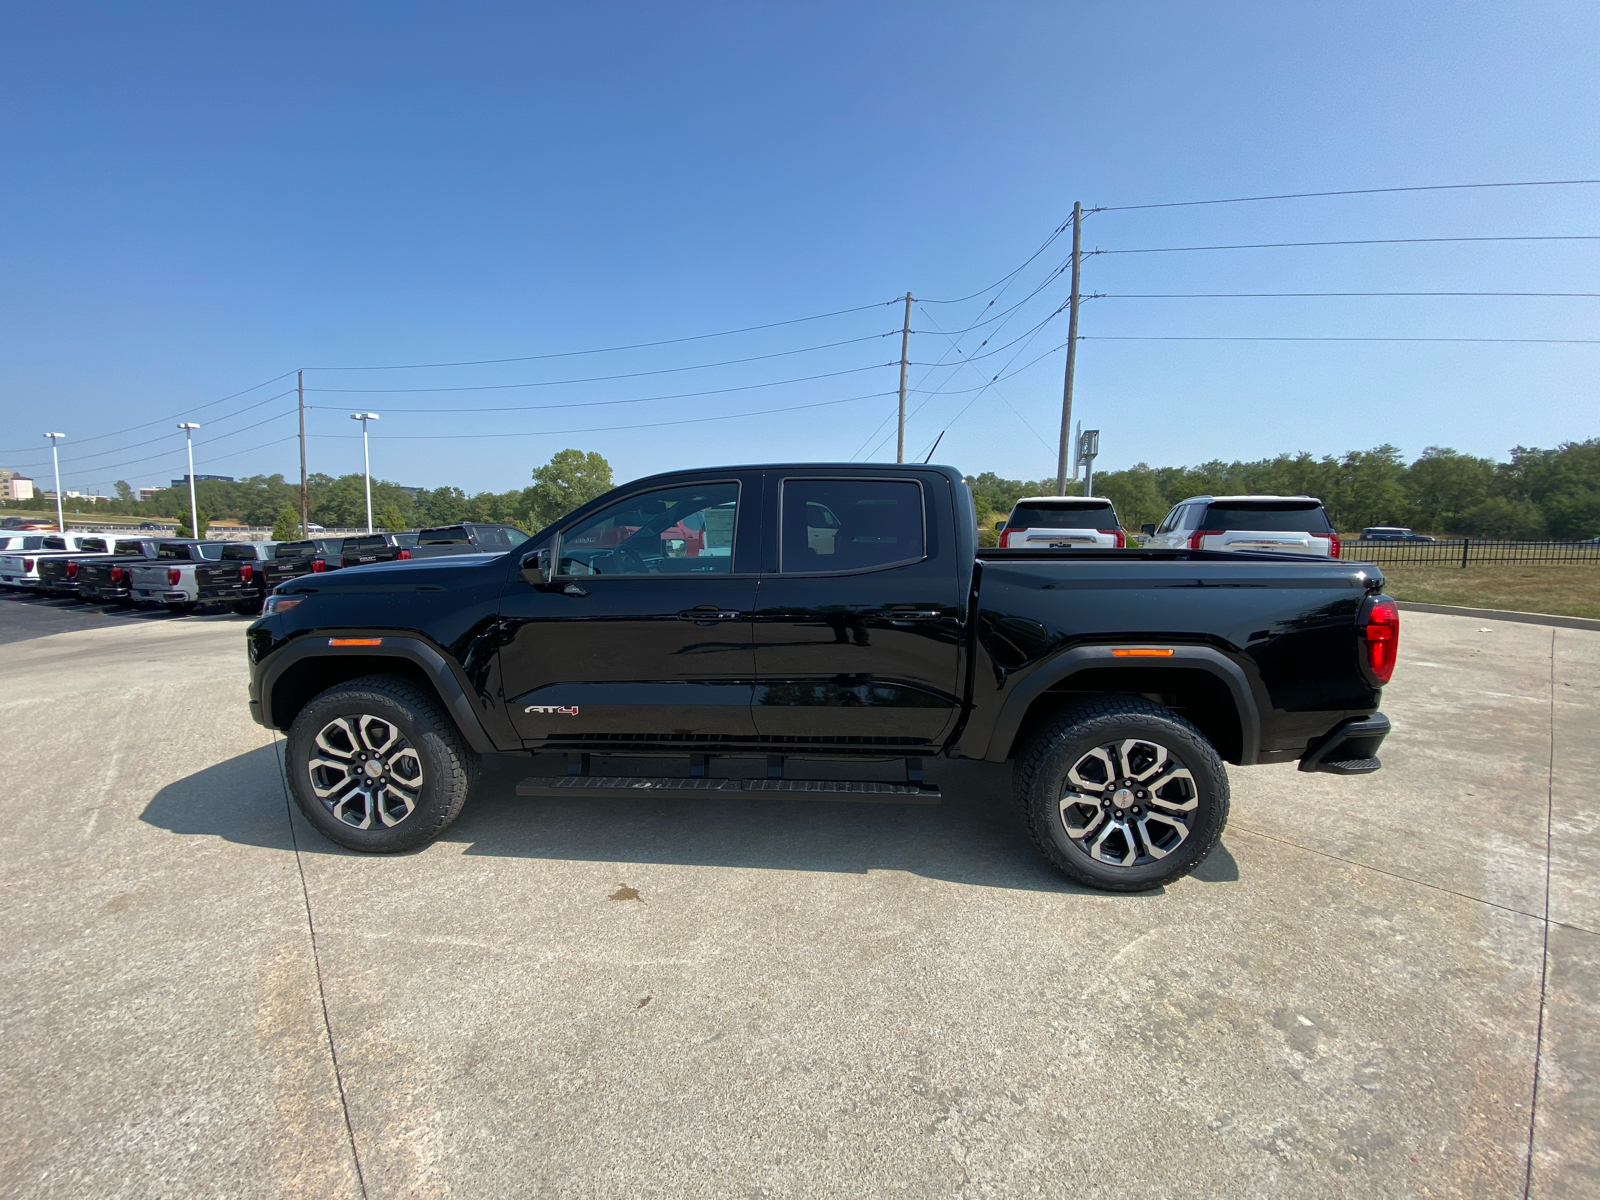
(168, 581)
(469, 537)
(237, 579)
(1392, 533)
(294, 559)
(1274, 524)
(377, 547)
(62, 576)
(34, 524)
(1062, 523)
(106, 579)
(21, 569)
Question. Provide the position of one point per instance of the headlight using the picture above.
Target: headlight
(278, 604)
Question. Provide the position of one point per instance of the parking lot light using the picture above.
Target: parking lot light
(188, 428)
(366, 459)
(55, 456)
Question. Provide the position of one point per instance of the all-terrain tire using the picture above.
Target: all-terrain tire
(1160, 839)
(350, 718)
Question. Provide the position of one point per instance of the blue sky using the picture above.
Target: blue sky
(199, 198)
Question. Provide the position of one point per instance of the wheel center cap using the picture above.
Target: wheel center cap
(1123, 798)
(373, 768)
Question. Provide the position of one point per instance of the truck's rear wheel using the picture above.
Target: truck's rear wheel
(1121, 794)
(376, 765)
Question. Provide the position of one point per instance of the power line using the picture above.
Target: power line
(1437, 187)
(405, 437)
(1103, 337)
(1559, 237)
(747, 387)
(164, 437)
(1302, 295)
(495, 387)
(1009, 275)
(481, 362)
(168, 453)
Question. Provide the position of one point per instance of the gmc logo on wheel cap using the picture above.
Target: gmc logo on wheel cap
(559, 710)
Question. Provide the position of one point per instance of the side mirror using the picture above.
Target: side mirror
(1148, 528)
(999, 525)
(539, 568)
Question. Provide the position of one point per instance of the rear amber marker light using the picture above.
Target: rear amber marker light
(1135, 653)
(355, 641)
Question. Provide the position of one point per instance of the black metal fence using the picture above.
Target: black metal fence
(1464, 552)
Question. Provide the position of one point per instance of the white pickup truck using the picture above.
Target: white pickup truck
(168, 580)
(1276, 524)
(19, 563)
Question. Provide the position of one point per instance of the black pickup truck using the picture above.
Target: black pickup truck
(826, 612)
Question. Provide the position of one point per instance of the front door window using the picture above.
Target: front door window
(673, 531)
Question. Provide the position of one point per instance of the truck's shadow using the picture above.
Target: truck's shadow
(975, 836)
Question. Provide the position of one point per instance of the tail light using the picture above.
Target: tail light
(27, 565)
(1382, 636)
(1333, 551)
(1122, 538)
(1005, 535)
(72, 570)
(1198, 534)
(173, 575)
(407, 553)
(318, 566)
(247, 572)
(116, 574)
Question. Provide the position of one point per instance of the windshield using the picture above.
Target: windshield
(1053, 516)
(1269, 517)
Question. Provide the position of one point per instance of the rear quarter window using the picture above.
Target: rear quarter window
(1268, 518)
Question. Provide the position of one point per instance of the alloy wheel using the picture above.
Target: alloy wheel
(1128, 803)
(365, 772)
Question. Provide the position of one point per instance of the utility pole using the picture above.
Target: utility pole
(1072, 352)
(905, 346)
(55, 455)
(366, 459)
(188, 428)
(305, 511)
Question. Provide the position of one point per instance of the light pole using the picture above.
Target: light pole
(188, 428)
(366, 459)
(55, 457)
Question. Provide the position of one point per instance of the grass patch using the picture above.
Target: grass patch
(1565, 589)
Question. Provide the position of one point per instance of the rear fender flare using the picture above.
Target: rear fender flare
(1063, 666)
(414, 650)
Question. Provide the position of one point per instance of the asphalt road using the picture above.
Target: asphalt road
(1360, 994)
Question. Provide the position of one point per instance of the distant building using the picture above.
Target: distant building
(149, 493)
(413, 492)
(184, 482)
(14, 486)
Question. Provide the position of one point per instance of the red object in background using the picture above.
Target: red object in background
(246, 573)
(1194, 538)
(1334, 552)
(1122, 538)
(72, 570)
(1383, 638)
(116, 574)
(317, 565)
(403, 554)
(27, 565)
(173, 575)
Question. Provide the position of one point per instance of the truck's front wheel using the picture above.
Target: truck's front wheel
(1121, 794)
(376, 765)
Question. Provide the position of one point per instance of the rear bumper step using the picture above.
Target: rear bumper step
(860, 791)
(1351, 749)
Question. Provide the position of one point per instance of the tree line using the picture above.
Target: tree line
(1537, 494)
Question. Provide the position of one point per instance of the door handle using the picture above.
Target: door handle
(922, 614)
(709, 616)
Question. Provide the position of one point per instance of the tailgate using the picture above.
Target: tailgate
(1271, 543)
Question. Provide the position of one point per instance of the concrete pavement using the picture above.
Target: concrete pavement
(203, 997)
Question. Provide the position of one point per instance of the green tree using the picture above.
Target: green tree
(287, 526)
(1443, 485)
(569, 479)
(1503, 517)
(124, 491)
(183, 530)
(389, 518)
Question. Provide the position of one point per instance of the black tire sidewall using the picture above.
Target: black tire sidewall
(1074, 739)
(443, 766)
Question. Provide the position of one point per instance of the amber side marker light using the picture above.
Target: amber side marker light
(355, 641)
(1140, 653)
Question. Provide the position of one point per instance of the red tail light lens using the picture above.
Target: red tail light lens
(1005, 536)
(116, 574)
(1382, 636)
(247, 573)
(1333, 551)
(173, 575)
(403, 554)
(72, 570)
(27, 565)
(1122, 538)
(1194, 538)
(318, 565)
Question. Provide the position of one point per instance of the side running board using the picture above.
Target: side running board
(858, 791)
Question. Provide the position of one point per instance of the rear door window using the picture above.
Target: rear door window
(1051, 516)
(1269, 517)
(850, 524)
